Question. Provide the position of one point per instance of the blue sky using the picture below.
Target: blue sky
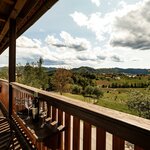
(95, 33)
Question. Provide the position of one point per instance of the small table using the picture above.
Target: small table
(46, 136)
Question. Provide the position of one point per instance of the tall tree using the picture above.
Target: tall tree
(35, 75)
(62, 77)
(4, 73)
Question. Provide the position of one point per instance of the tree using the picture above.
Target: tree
(83, 82)
(140, 103)
(76, 89)
(40, 62)
(89, 90)
(97, 92)
(4, 73)
(35, 75)
(62, 77)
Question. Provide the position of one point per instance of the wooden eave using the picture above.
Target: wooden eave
(25, 12)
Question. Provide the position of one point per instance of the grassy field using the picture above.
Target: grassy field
(112, 98)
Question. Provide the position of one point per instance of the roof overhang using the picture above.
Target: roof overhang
(25, 12)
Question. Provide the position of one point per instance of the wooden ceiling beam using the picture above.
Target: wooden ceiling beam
(13, 15)
(30, 20)
(25, 12)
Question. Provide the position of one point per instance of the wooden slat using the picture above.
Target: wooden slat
(53, 113)
(12, 60)
(86, 136)
(67, 131)
(118, 143)
(39, 145)
(138, 148)
(100, 139)
(76, 133)
(15, 107)
(49, 113)
(26, 130)
(60, 122)
(60, 117)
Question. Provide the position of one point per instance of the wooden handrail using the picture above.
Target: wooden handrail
(121, 125)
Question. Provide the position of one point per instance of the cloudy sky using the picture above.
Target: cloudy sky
(95, 33)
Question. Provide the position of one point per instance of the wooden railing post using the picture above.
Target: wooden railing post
(100, 139)
(118, 143)
(76, 133)
(12, 59)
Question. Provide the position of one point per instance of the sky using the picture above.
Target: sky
(94, 33)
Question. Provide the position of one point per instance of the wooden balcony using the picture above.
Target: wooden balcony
(87, 126)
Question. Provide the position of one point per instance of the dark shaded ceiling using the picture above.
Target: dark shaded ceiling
(25, 12)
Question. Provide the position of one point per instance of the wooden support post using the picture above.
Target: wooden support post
(12, 59)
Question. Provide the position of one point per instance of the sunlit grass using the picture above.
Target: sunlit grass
(106, 101)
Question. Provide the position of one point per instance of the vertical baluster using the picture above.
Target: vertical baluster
(19, 99)
(49, 113)
(86, 136)
(67, 131)
(38, 145)
(53, 113)
(137, 148)
(118, 143)
(100, 139)
(14, 101)
(76, 133)
(42, 146)
(60, 122)
(24, 98)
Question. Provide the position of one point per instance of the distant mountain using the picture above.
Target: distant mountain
(85, 69)
(111, 70)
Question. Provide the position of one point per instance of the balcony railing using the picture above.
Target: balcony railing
(87, 126)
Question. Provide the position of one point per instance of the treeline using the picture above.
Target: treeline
(127, 85)
(60, 80)
(63, 80)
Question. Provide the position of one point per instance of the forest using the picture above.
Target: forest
(121, 91)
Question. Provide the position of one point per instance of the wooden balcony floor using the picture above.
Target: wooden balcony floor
(5, 128)
(1, 114)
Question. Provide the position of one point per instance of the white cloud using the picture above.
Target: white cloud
(96, 22)
(96, 2)
(79, 18)
(116, 58)
(69, 42)
(132, 29)
(52, 40)
(4, 58)
(122, 4)
(25, 42)
(118, 22)
(52, 53)
(30, 50)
